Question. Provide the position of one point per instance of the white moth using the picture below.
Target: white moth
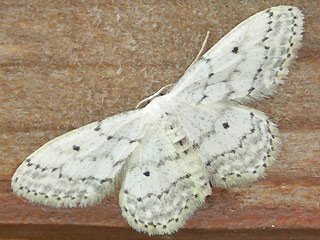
(164, 157)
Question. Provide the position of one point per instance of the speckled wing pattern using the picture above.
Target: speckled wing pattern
(166, 181)
(249, 62)
(80, 167)
(165, 156)
(234, 142)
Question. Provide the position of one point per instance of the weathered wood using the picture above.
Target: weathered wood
(48, 232)
(65, 64)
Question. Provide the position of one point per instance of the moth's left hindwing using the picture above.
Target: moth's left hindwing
(165, 182)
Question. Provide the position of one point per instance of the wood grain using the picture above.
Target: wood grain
(67, 63)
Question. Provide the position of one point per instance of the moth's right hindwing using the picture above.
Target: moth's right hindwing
(235, 143)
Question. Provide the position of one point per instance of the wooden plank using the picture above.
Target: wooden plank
(48, 232)
(65, 64)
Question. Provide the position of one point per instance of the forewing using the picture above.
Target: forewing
(248, 63)
(81, 166)
(165, 181)
(235, 143)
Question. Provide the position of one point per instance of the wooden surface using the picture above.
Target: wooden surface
(65, 63)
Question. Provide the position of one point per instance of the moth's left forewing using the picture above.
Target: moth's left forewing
(82, 166)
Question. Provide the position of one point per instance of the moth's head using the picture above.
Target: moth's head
(163, 91)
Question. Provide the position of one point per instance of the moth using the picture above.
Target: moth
(164, 156)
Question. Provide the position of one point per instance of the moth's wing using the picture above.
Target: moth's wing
(165, 182)
(235, 143)
(81, 166)
(248, 63)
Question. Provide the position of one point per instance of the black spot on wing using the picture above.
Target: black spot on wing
(235, 50)
(225, 125)
(251, 89)
(76, 148)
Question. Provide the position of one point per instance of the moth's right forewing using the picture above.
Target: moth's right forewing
(248, 63)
